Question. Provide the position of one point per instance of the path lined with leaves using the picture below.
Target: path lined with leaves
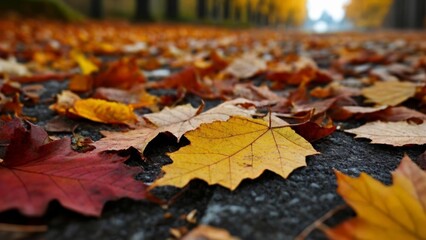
(261, 100)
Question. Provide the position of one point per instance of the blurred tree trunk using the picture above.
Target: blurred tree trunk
(172, 9)
(96, 9)
(237, 16)
(201, 9)
(215, 10)
(143, 10)
(226, 9)
(249, 13)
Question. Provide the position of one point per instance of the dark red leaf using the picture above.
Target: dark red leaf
(38, 171)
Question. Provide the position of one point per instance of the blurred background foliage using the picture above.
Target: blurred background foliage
(363, 14)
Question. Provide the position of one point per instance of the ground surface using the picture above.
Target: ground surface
(266, 208)
(269, 207)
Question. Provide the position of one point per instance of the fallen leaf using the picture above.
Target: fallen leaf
(395, 114)
(123, 74)
(246, 66)
(189, 79)
(295, 70)
(103, 111)
(323, 106)
(225, 153)
(60, 124)
(86, 66)
(33, 92)
(205, 232)
(65, 100)
(409, 170)
(392, 133)
(390, 93)
(12, 67)
(383, 212)
(254, 93)
(138, 138)
(176, 121)
(38, 171)
(10, 106)
(315, 129)
(137, 98)
(184, 118)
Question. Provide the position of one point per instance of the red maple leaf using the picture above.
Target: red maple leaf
(35, 171)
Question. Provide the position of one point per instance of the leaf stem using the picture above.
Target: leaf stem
(319, 223)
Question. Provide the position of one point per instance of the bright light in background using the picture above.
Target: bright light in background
(333, 7)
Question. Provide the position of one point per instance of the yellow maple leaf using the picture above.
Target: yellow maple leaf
(103, 111)
(390, 93)
(225, 153)
(383, 212)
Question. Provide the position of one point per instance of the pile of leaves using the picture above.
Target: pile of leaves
(259, 99)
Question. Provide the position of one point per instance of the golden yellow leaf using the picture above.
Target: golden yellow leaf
(383, 212)
(103, 111)
(392, 133)
(86, 66)
(225, 153)
(389, 93)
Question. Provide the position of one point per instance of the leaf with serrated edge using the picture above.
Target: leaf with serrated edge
(35, 173)
(225, 153)
(392, 133)
(383, 212)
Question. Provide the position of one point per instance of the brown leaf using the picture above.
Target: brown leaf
(137, 98)
(246, 66)
(185, 118)
(392, 133)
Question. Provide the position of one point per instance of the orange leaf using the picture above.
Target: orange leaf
(103, 111)
(384, 212)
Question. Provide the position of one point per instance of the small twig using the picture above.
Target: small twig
(319, 223)
(6, 227)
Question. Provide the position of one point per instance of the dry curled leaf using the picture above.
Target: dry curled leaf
(392, 133)
(384, 212)
(225, 153)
